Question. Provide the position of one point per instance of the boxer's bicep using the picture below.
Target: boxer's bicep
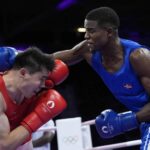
(140, 60)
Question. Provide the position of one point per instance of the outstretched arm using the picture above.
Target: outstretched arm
(74, 55)
(70, 56)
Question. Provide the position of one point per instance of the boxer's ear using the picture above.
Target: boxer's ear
(23, 72)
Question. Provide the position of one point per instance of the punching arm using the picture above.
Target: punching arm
(73, 55)
(59, 74)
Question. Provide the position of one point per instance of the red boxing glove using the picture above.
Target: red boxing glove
(58, 75)
(49, 105)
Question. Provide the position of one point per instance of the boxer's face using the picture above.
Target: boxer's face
(95, 35)
(32, 83)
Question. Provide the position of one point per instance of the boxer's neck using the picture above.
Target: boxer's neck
(11, 83)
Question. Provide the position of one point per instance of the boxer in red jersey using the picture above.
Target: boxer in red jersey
(21, 110)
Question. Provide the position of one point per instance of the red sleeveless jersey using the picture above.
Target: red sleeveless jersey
(15, 112)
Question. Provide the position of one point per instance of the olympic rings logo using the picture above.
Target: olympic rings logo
(70, 139)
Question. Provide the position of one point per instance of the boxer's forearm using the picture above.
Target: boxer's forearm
(73, 55)
(14, 139)
(67, 56)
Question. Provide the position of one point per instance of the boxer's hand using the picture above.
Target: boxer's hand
(7, 57)
(110, 124)
(50, 104)
(58, 75)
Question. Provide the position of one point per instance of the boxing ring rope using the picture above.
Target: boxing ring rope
(90, 122)
(117, 145)
(104, 147)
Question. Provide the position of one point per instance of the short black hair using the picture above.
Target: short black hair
(105, 16)
(34, 60)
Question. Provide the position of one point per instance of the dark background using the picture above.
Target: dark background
(39, 22)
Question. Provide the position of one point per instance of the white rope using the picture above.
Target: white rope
(47, 129)
(91, 122)
(117, 145)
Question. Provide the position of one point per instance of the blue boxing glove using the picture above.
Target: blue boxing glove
(7, 57)
(110, 124)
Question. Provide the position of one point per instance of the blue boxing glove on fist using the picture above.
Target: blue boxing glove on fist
(7, 57)
(110, 124)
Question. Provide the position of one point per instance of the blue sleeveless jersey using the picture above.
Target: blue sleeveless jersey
(124, 84)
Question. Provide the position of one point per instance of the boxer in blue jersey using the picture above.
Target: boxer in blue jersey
(123, 65)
